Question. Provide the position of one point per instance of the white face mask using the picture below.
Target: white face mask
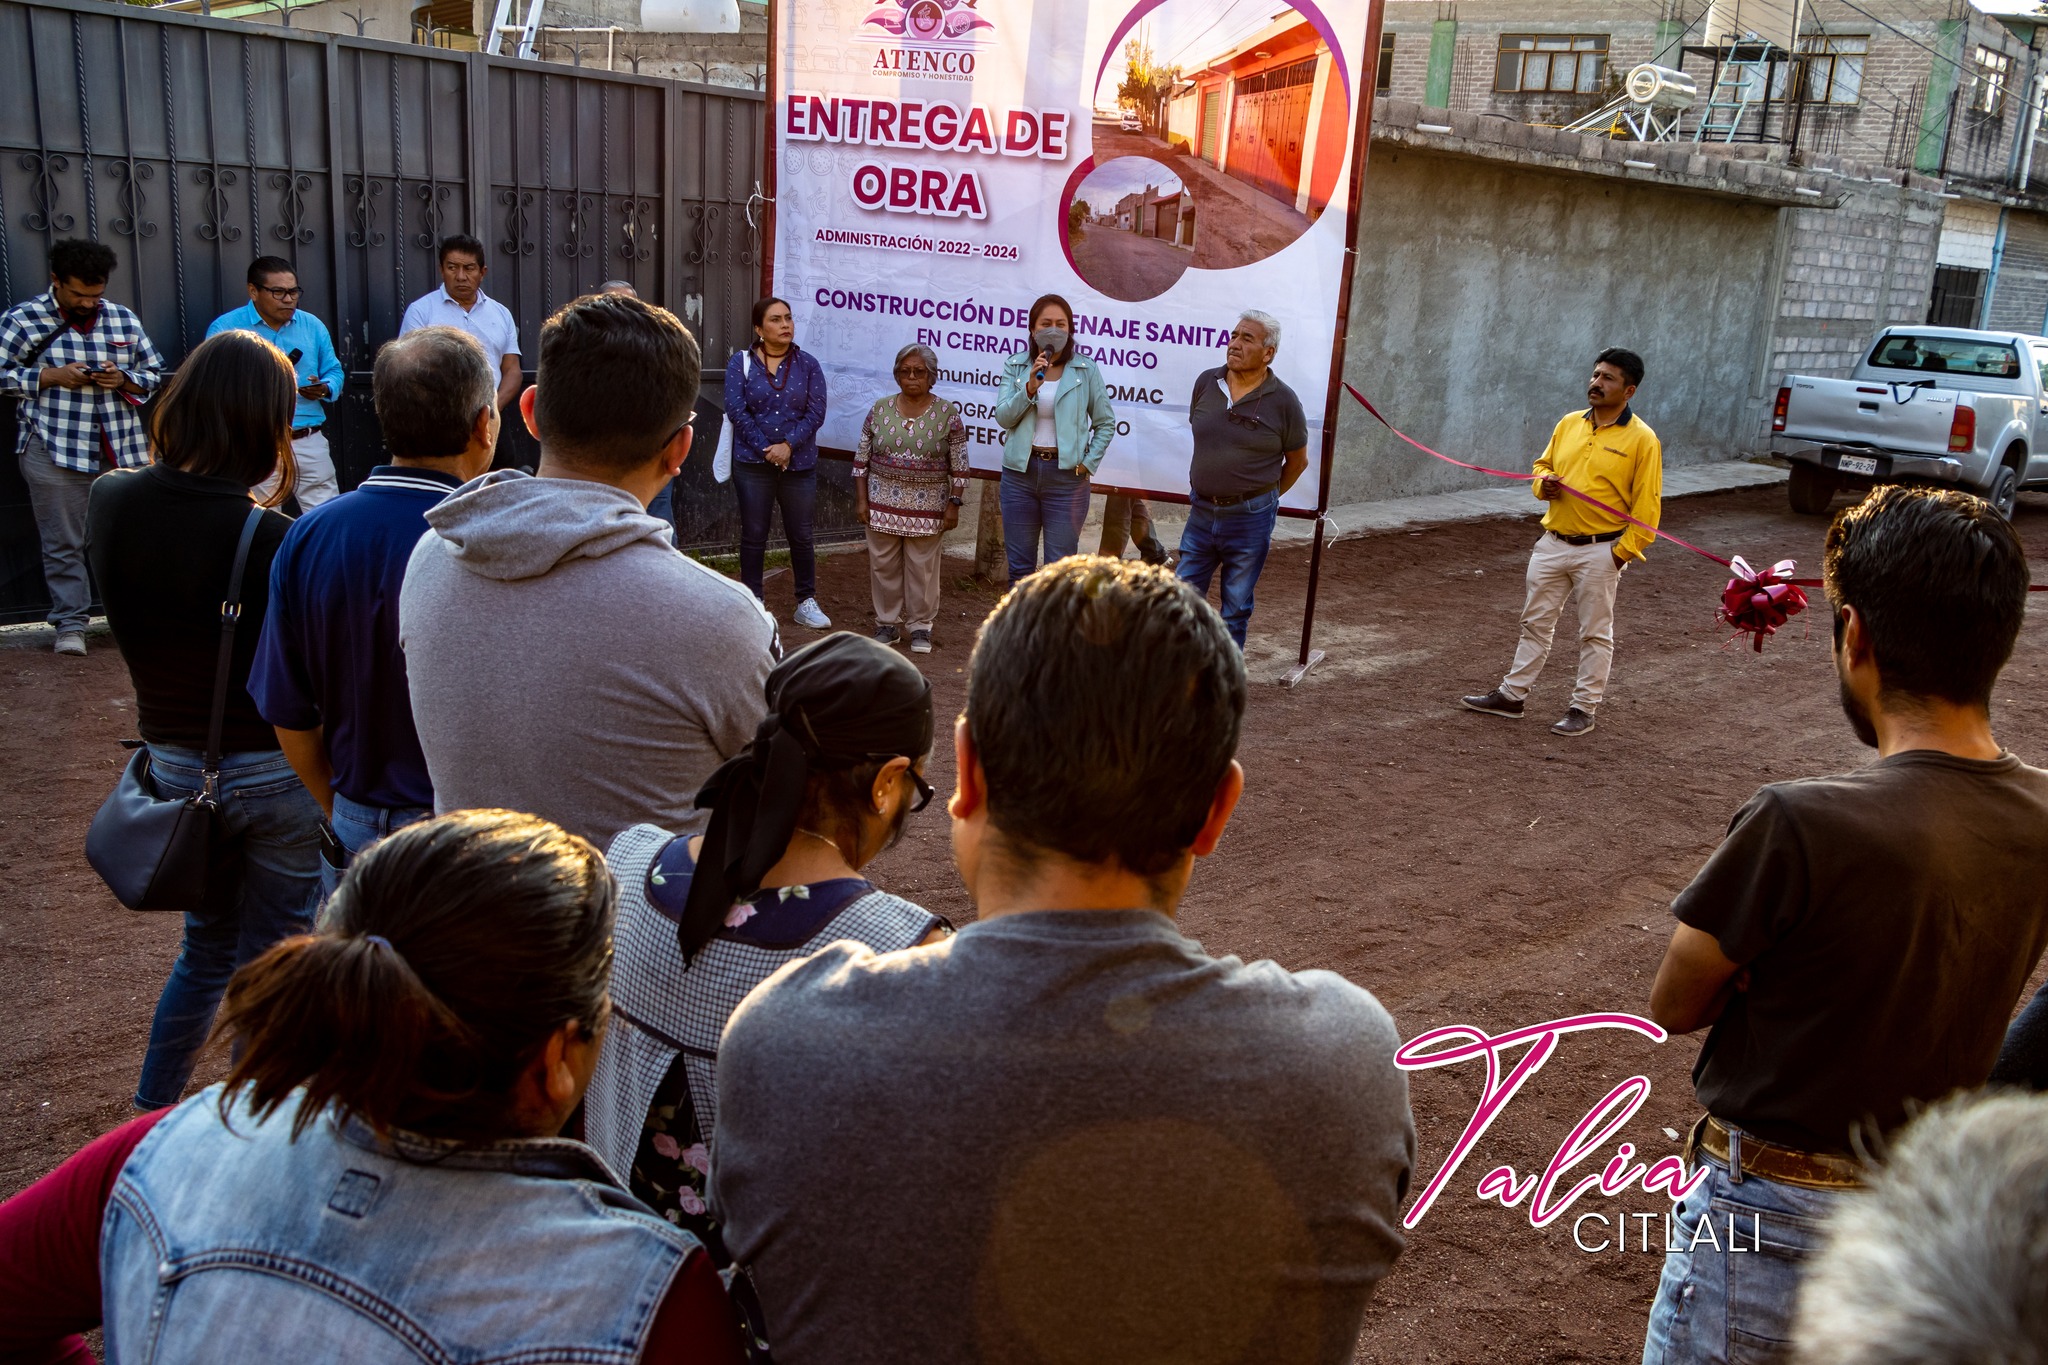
(1052, 339)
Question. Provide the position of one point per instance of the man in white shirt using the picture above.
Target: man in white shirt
(460, 302)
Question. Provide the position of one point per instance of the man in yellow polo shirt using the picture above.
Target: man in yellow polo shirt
(1611, 454)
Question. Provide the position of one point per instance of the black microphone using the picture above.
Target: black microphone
(294, 356)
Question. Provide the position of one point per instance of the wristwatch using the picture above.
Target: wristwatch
(955, 502)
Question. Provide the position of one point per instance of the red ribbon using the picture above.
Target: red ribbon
(1757, 602)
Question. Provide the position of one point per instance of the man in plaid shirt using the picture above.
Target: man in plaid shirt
(81, 365)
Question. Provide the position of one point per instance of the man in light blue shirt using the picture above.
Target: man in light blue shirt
(461, 303)
(272, 313)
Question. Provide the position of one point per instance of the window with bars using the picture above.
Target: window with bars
(1991, 71)
(1386, 81)
(1566, 63)
(1279, 78)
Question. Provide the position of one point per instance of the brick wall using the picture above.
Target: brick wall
(1878, 128)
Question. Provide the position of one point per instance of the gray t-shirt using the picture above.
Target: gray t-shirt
(1241, 447)
(1061, 1136)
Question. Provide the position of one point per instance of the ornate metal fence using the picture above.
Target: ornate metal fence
(192, 145)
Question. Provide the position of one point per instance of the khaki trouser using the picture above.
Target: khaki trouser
(1555, 570)
(905, 573)
(313, 479)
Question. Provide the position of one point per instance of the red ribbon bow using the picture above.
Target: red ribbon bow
(1757, 602)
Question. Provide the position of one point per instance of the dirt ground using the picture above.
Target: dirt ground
(1125, 265)
(1465, 869)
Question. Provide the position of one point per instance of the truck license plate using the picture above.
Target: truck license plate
(1856, 464)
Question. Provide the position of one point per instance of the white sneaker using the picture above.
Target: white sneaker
(71, 642)
(808, 614)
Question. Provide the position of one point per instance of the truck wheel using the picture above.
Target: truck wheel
(2005, 491)
(1811, 490)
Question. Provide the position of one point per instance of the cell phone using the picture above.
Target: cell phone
(332, 851)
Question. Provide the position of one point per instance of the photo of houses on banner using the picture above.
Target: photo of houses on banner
(1218, 140)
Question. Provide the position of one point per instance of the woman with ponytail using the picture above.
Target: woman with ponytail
(831, 776)
(382, 1176)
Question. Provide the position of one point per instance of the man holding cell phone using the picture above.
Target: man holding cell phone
(273, 313)
(79, 364)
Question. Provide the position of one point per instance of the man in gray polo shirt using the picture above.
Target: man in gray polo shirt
(1251, 444)
(1069, 1132)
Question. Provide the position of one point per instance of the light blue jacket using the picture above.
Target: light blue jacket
(1081, 414)
(306, 334)
(237, 1245)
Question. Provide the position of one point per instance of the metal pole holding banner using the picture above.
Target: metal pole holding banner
(770, 157)
(1361, 147)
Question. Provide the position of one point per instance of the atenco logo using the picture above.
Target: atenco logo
(928, 21)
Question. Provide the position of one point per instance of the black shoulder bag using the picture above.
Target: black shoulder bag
(153, 853)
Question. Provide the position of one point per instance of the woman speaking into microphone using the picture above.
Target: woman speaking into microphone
(1054, 410)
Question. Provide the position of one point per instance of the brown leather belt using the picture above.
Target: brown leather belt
(1045, 453)
(1600, 539)
(1808, 1170)
(301, 433)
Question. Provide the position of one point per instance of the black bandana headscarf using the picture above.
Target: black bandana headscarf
(837, 703)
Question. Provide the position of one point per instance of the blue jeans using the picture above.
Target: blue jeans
(2023, 1059)
(664, 504)
(1734, 1307)
(264, 886)
(1042, 498)
(1236, 539)
(762, 488)
(358, 826)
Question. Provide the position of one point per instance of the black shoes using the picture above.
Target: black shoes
(887, 635)
(1498, 703)
(1495, 703)
(1574, 724)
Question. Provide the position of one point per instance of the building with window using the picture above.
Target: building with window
(1949, 89)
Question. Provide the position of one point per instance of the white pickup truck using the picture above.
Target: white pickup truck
(1939, 405)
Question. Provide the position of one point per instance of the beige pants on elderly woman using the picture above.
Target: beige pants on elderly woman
(1555, 570)
(904, 571)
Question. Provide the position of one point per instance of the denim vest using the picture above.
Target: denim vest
(235, 1245)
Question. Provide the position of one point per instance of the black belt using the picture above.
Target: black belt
(1600, 539)
(301, 433)
(1045, 452)
(1233, 499)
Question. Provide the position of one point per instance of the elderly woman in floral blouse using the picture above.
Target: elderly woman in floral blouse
(909, 470)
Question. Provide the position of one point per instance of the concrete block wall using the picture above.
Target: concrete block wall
(1845, 273)
(1484, 289)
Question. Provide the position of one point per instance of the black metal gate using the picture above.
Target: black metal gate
(192, 145)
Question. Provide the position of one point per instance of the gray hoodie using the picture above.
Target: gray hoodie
(566, 660)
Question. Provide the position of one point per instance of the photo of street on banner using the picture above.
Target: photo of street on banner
(1164, 165)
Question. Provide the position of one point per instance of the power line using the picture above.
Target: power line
(1936, 53)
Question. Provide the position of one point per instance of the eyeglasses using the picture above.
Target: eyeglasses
(282, 295)
(913, 372)
(689, 421)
